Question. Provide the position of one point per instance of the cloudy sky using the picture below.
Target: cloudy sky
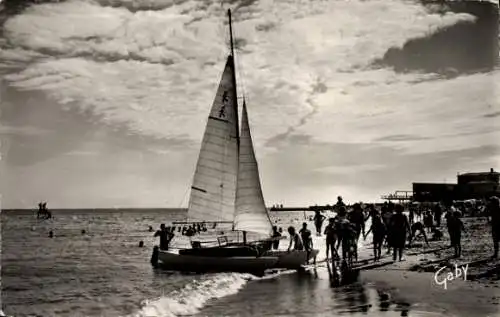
(104, 102)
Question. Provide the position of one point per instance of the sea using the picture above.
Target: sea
(104, 272)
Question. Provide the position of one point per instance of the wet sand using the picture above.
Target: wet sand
(386, 289)
(415, 280)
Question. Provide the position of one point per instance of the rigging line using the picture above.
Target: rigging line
(184, 197)
(240, 72)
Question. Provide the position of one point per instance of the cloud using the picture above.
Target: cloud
(317, 104)
(25, 131)
(156, 71)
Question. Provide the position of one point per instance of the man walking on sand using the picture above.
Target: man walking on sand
(493, 210)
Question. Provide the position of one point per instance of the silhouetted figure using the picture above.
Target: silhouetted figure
(318, 221)
(398, 228)
(83, 232)
(306, 236)
(331, 238)
(276, 235)
(165, 236)
(437, 235)
(493, 212)
(379, 232)
(150, 229)
(428, 220)
(438, 212)
(295, 240)
(418, 227)
(51, 234)
(141, 244)
(357, 218)
(154, 256)
(456, 227)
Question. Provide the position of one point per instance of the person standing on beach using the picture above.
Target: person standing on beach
(340, 203)
(438, 212)
(455, 227)
(387, 214)
(428, 220)
(357, 218)
(318, 221)
(493, 210)
(378, 230)
(347, 234)
(398, 228)
(449, 214)
(295, 240)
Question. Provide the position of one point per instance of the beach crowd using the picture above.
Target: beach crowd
(394, 226)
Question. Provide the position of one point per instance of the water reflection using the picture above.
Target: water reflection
(351, 296)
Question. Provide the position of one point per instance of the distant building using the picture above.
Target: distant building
(469, 186)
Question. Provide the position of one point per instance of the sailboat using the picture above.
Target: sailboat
(226, 188)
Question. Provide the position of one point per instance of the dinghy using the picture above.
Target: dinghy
(226, 188)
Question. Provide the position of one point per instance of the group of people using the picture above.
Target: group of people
(389, 227)
(43, 212)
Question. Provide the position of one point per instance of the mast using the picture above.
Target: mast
(230, 32)
(232, 58)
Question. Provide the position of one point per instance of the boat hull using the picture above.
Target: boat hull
(205, 264)
(293, 259)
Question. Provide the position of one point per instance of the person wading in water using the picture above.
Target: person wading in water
(357, 218)
(346, 237)
(331, 238)
(306, 236)
(165, 236)
(318, 221)
(398, 228)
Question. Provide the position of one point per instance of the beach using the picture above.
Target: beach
(105, 273)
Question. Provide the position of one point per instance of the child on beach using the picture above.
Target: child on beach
(379, 231)
(417, 227)
(455, 227)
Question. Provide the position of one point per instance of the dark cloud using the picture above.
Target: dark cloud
(462, 48)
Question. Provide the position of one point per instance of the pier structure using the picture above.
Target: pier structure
(401, 196)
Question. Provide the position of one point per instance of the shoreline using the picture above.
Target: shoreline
(415, 280)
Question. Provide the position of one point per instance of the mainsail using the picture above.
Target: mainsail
(251, 213)
(213, 192)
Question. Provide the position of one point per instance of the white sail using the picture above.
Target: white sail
(213, 192)
(251, 214)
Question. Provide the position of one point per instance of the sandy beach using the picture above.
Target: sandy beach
(420, 279)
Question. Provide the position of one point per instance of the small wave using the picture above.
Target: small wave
(193, 296)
